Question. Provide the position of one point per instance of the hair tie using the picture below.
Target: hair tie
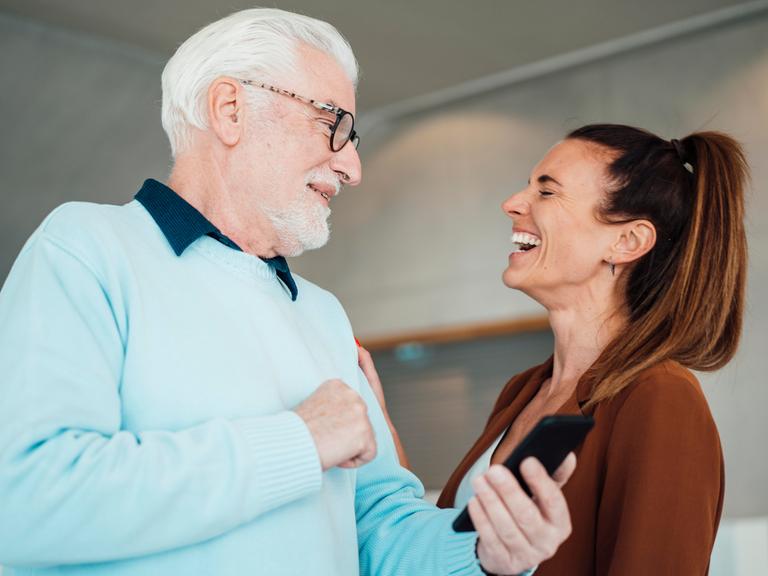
(681, 154)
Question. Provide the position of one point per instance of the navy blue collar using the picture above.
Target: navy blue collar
(182, 224)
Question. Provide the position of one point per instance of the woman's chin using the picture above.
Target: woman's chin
(513, 279)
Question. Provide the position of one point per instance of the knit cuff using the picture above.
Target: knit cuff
(285, 460)
(460, 550)
(459, 553)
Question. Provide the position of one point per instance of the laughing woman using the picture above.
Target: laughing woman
(636, 247)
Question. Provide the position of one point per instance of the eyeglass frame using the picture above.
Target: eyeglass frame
(337, 110)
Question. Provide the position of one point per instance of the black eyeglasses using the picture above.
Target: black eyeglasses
(343, 129)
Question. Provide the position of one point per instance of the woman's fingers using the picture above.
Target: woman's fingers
(565, 470)
(549, 499)
(365, 361)
(517, 532)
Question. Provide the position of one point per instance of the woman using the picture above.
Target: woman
(636, 247)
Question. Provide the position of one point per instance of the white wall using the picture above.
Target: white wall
(79, 120)
(422, 241)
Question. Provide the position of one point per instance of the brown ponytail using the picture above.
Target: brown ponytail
(685, 298)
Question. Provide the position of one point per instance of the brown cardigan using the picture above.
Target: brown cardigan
(647, 493)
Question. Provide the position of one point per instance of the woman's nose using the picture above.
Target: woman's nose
(516, 205)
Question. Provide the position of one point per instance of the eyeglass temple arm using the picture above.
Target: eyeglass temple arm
(314, 103)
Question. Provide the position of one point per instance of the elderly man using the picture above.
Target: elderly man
(175, 401)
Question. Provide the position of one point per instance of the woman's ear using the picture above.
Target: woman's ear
(637, 238)
(226, 110)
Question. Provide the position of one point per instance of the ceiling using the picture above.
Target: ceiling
(405, 48)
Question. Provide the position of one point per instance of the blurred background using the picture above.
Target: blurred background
(457, 102)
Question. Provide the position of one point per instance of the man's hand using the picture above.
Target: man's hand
(337, 418)
(515, 532)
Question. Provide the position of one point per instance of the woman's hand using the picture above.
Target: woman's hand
(365, 361)
(516, 532)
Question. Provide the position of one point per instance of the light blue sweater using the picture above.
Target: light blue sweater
(146, 423)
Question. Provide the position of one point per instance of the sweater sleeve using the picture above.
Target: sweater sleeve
(398, 531)
(663, 483)
(74, 486)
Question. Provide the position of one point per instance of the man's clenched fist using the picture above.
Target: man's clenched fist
(337, 418)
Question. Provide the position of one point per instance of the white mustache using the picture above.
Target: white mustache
(318, 177)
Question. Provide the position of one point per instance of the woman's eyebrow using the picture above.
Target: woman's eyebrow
(544, 179)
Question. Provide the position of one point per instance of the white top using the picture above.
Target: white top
(465, 492)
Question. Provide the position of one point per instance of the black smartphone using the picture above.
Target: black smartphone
(549, 442)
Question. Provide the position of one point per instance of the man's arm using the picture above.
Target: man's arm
(365, 361)
(76, 488)
(400, 533)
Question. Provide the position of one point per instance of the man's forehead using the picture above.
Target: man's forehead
(323, 78)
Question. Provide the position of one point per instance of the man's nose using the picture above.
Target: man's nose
(346, 163)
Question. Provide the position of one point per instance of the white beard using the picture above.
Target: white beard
(302, 223)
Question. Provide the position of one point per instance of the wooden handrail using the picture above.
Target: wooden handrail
(459, 333)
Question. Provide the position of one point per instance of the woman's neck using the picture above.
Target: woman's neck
(581, 335)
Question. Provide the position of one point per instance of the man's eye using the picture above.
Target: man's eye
(546, 193)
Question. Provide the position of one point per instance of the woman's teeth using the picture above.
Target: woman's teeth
(524, 241)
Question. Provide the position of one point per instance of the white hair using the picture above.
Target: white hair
(260, 43)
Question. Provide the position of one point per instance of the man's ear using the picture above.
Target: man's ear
(226, 109)
(635, 240)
